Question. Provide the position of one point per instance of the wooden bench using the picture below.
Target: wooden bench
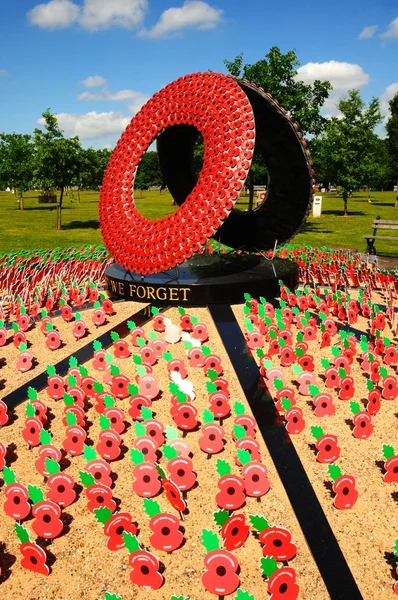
(377, 225)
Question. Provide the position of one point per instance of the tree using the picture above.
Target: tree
(344, 152)
(57, 159)
(392, 137)
(276, 73)
(16, 163)
(149, 173)
(92, 168)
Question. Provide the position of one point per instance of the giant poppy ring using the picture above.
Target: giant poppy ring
(226, 112)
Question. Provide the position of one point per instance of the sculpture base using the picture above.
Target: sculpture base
(205, 279)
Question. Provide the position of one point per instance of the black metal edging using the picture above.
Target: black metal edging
(324, 547)
(82, 355)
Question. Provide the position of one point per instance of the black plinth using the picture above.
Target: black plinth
(205, 279)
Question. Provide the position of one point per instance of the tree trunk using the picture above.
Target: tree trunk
(251, 191)
(369, 192)
(59, 208)
(20, 200)
(78, 195)
(396, 196)
(345, 199)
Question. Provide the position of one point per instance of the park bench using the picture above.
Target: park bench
(377, 225)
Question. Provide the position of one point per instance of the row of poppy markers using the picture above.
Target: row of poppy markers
(245, 455)
(264, 324)
(53, 341)
(39, 279)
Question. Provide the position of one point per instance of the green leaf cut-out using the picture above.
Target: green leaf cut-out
(317, 431)
(136, 456)
(221, 516)
(258, 522)
(388, 451)
(89, 453)
(334, 471)
(102, 514)
(35, 494)
(45, 437)
(151, 507)
(223, 468)
(169, 452)
(51, 466)
(30, 410)
(130, 542)
(268, 565)
(244, 456)
(8, 475)
(86, 478)
(22, 533)
(239, 408)
(210, 540)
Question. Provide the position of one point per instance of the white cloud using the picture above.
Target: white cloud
(56, 14)
(92, 125)
(385, 98)
(94, 81)
(102, 14)
(193, 14)
(137, 99)
(3, 73)
(367, 32)
(94, 14)
(391, 31)
(342, 75)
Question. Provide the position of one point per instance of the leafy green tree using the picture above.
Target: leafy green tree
(276, 73)
(16, 163)
(92, 168)
(57, 159)
(344, 152)
(149, 173)
(392, 137)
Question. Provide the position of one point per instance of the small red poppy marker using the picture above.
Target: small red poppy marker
(234, 529)
(326, 445)
(99, 316)
(115, 525)
(363, 427)
(79, 328)
(277, 541)
(323, 402)
(166, 534)
(25, 359)
(173, 492)
(32, 427)
(220, 577)
(146, 482)
(295, 423)
(55, 384)
(344, 488)
(254, 475)
(75, 436)
(33, 556)
(390, 465)
(246, 421)
(144, 565)
(211, 440)
(232, 488)
(373, 404)
(17, 504)
(281, 582)
(46, 513)
(3, 413)
(109, 440)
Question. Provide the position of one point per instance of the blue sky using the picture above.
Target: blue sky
(94, 62)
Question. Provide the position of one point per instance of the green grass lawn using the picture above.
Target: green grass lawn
(34, 227)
